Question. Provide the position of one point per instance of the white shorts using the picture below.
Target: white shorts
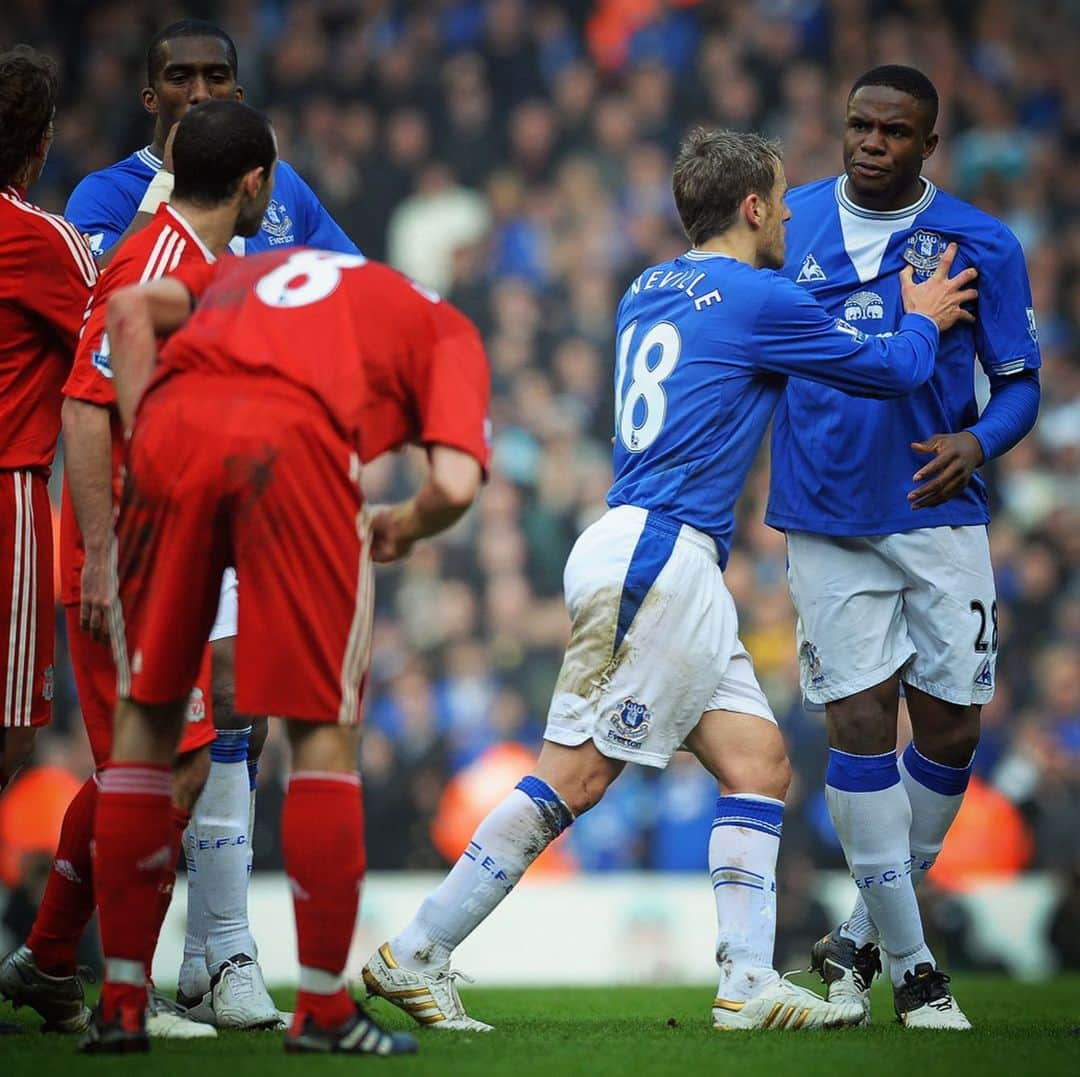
(654, 642)
(228, 607)
(921, 602)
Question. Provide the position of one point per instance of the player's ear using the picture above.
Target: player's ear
(149, 99)
(930, 144)
(238, 93)
(253, 181)
(752, 210)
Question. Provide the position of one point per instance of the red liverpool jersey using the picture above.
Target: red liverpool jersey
(46, 273)
(389, 361)
(163, 246)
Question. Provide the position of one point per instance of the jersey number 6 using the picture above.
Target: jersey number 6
(640, 409)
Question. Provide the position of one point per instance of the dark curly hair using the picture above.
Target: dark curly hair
(28, 88)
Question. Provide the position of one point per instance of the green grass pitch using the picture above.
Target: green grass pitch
(1020, 1029)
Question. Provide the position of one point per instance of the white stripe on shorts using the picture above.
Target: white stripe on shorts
(358, 648)
(22, 623)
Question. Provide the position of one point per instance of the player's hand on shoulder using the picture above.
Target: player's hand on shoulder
(391, 532)
(956, 456)
(940, 297)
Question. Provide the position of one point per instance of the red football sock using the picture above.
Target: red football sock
(68, 903)
(180, 820)
(134, 853)
(322, 837)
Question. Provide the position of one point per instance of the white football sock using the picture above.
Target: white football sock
(193, 979)
(935, 792)
(221, 819)
(743, 847)
(514, 833)
(872, 815)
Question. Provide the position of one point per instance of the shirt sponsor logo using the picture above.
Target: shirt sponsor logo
(923, 252)
(867, 305)
(630, 723)
(810, 271)
(277, 224)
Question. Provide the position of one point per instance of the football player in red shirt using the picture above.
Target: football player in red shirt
(218, 148)
(294, 367)
(46, 273)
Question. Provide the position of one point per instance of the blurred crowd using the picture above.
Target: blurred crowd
(516, 156)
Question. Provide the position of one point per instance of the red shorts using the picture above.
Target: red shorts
(247, 472)
(27, 628)
(95, 680)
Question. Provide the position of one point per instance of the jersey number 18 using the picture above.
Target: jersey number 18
(641, 407)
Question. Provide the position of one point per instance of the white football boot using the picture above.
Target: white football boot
(167, 1021)
(239, 998)
(924, 1000)
(784, 1005)
(430, 998)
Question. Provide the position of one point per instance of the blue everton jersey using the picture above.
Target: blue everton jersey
(104, 204)
(842, 466)
(703, 344)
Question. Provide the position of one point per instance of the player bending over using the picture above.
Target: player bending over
(654, 661)
(889, 563)
(187, 63)
(247, 452)
(214, 148)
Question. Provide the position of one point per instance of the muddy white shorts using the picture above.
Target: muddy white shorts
(654, 643)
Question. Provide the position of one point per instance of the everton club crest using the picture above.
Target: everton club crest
(630, 723)
(923, 252)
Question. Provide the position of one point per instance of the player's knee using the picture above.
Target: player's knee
(16, 748)
(765, 775)
(223, 685)
(260, 727)
(189, 776)
(862, 725)
(950, 747)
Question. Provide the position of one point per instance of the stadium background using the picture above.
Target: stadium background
(517, 157)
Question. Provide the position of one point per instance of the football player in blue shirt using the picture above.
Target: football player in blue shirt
(189, 62)
(889, 563)
(704, 345)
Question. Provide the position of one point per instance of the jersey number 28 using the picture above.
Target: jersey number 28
(641, 406)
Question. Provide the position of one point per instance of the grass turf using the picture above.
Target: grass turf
(640, 1030)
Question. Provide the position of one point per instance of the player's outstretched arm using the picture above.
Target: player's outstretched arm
(448, 490)
(88, 467)
(134, 319)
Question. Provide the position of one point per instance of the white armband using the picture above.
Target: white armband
(158, 191)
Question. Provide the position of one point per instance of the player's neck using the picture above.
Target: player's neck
(215, 227)
(885, 203)
(734, 243)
